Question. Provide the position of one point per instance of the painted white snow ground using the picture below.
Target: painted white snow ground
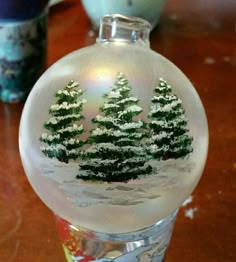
(167, 175)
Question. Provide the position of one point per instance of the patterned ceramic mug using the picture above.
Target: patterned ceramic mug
(22, 55)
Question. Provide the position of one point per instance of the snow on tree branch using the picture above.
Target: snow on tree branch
(116, 152)
(63, 141)
(169, 136)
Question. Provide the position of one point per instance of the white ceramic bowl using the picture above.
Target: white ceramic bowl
(150, 10)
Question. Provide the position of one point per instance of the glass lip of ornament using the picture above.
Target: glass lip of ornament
(121, 28)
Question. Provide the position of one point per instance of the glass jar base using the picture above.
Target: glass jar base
(149, 244)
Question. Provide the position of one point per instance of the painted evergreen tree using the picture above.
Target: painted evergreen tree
(63, 140)
(169, 134)
(116, 152)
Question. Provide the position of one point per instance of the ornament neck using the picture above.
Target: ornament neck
(120, 28)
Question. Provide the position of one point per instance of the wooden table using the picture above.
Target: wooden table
(200, 38)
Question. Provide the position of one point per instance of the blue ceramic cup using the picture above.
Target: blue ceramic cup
(23, 41)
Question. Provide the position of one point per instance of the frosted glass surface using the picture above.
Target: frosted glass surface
(119, 206)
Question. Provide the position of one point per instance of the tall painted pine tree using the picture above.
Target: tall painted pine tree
(169, 135)
(63, 140)
(116, 153)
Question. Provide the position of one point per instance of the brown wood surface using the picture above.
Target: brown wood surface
(200, 38)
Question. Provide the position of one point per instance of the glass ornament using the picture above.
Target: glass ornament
(114, 137)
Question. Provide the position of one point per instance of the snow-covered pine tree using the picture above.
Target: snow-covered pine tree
(169, 137)
(116, 152)
(63, 140)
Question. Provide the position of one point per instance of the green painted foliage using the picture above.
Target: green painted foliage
(116, 152)
(62, 139)
(169, 137)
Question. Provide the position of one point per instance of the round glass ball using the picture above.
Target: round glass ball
(142, 199)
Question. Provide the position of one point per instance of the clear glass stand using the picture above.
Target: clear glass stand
(146, 245)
